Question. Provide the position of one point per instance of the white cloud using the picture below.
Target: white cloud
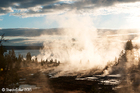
(26, 8)
(123, 8)
(126, 8)
(4, 10)
(25, 14)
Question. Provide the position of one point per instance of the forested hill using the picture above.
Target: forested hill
(23, 47)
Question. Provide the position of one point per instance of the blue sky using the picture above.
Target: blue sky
(110, 21)
(47, 14)
(33, 14)
(19, 22)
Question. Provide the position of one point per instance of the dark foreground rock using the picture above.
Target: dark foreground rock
(69, 83)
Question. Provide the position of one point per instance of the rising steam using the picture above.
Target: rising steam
(80, 45)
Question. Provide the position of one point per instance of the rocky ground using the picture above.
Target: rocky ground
(62, 84)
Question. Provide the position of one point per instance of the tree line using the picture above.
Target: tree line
(10, 64)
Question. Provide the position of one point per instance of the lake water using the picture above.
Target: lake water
(24, 52)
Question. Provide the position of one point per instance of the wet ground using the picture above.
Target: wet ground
(41, 82)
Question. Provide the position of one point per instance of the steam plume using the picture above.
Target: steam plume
(81, 47)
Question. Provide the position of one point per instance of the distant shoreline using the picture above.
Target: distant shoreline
(23, 47)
